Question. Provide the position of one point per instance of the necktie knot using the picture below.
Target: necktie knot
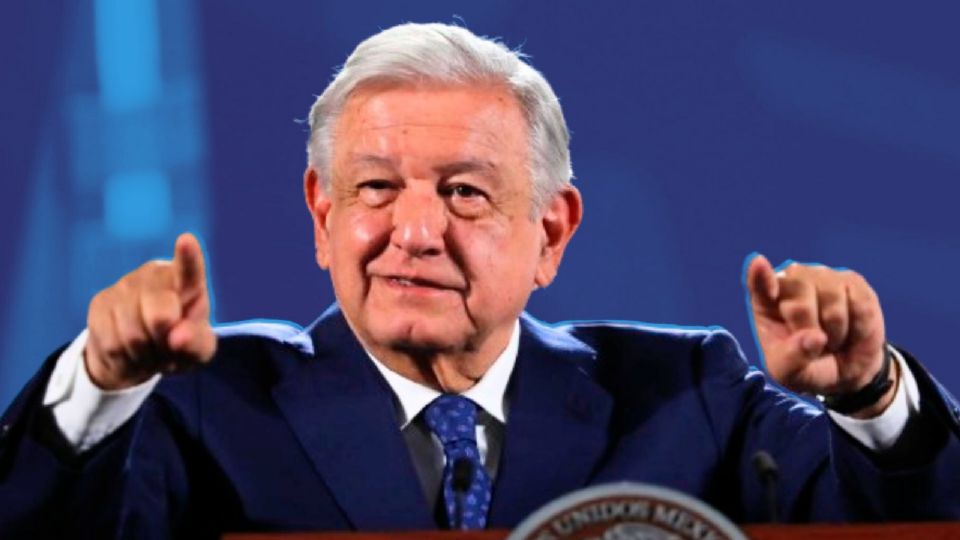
(453, 418)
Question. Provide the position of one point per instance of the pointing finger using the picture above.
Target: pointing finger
(762, 281)
(189, 266)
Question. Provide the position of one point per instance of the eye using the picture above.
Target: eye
(376, 184)
(463, 191)
(376, 192)
(466, 200)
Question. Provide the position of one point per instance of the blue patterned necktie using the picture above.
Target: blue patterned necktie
(453, 419)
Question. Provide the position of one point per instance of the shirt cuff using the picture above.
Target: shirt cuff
(85, 413)
(881, 433)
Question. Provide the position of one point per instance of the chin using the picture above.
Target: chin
(420, 335)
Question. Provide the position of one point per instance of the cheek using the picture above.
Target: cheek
(501, 259)
(365, 229)
(356, 239)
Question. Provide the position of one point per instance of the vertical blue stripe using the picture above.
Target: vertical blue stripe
(138, 205)
(128, 53)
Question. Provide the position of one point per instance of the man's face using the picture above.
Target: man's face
(428, 228)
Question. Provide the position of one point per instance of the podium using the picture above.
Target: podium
(875, 531)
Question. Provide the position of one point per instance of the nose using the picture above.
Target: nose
(419, 221)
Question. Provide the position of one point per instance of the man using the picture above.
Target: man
(439, 185)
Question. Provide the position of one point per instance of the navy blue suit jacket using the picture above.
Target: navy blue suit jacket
(296, 430)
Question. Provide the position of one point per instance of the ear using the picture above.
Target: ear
(318, 203)
(559, 220)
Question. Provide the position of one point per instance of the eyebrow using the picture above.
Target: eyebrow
(372, 159)
(482, 166)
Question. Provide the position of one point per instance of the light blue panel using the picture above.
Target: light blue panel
(36, 320)
(113, 192)
(180, 123)
(128, 53)
(137, 206)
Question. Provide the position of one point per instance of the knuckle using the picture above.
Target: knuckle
(858, 281)
(124, 288)
(153, 266)
(872, 295)
(136, 343)
(103, 336)
(97, 308)
(158, 326)
(98, 328)
(830, 295)
(789, 287)
(153, 274)
(796, 311)
(807, 288)
(128, 332)
(108, 343)
(833, 318)
(160, 308)
(797, 287)
(863, 311)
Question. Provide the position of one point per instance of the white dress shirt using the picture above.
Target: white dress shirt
(490, 395)
(86, 414)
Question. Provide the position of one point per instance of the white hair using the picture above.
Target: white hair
(444, 54)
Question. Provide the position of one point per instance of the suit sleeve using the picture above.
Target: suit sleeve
(133, 481)
(824, 473)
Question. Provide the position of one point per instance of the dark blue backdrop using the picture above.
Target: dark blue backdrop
(822, 132)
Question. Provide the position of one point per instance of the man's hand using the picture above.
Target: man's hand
(820, 329)
(156, 318)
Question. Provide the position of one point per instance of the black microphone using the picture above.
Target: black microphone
(461, 479)
(768, 472)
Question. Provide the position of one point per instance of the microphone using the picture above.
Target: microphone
(460, 481)
(768, 472)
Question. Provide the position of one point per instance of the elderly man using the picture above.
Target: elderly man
(439, 186)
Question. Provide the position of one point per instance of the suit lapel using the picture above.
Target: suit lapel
(343, 414)
(557, 424)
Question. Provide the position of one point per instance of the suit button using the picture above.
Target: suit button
(4, 431)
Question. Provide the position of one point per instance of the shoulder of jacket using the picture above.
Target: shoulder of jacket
(280, 332)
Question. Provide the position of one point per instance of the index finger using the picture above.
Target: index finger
(761, 281)
(189, 266)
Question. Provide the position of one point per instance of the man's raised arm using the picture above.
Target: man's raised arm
(154, 319)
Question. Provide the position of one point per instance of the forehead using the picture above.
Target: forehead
(440, 122)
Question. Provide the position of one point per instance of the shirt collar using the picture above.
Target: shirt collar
(488, 393)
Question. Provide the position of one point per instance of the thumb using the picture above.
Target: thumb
(189, 267)
(793, 355)
(193, 339)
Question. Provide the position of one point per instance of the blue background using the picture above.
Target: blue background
(816, 131)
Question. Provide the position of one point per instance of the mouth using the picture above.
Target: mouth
(413, 283)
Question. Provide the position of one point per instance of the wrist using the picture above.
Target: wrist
(872, 399)
(884, 402)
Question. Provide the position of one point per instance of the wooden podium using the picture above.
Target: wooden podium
(886, 531)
